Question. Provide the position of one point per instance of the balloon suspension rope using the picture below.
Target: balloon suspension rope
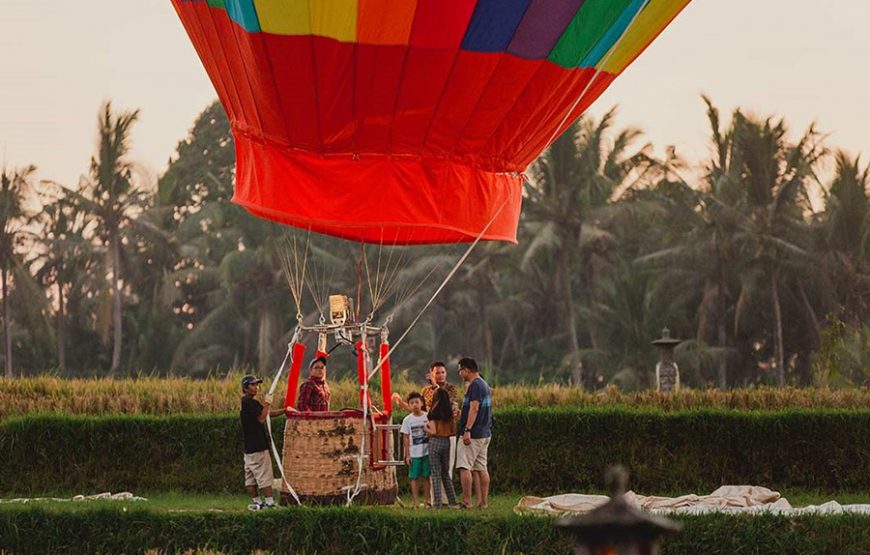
(360, 458)
(287, 357)
(438, 291)
(598, 70)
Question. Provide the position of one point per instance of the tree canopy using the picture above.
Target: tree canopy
(758, 257)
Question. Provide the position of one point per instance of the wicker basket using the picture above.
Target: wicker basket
(320, 459)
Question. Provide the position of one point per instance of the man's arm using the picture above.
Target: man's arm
(264, 413)
(473, 409)
(267, 409)
(407, 440)
(401, 402)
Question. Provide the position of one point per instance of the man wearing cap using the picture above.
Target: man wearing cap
(314, 392)
(258, 464)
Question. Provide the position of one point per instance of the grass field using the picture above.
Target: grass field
(180, 521)
(217, 525)
(500, 504)
(161, 396)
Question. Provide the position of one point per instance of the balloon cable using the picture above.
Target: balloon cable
(438, 291)
(287, 357)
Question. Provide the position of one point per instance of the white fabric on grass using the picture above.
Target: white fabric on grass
(726, 499)
(105, 496)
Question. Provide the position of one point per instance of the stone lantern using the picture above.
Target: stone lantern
(617, 528)
(667, 372)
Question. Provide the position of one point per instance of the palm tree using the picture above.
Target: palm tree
(846, 235)
(14, 188)
(65, 256)
(111, 197)
(702, 224)
(572, 186)
(771, 229)
(630, 305)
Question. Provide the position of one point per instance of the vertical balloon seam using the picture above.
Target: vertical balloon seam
(212, 31)
(242, 22)
(354, 117)
(522, 130)
(221, 56)
(208, 58)
(249, 22)
(438, 107)
(503, 124)
(285, 122)
(246, 77)
(597, 85)
(401, 81)
(434, 112)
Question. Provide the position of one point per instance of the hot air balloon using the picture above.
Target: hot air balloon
(398, 122)
(406, 121)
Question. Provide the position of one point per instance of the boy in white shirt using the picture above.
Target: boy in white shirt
(416, 446)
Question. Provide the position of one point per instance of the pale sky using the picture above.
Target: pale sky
(59, 60)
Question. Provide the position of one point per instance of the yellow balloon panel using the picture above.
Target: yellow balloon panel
(334, 19)
(283, 17)
(647, 26)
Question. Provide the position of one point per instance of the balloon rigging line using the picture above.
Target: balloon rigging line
(294, 274)
(413, 286)
(410, 286)
(438, 291)
(385, 280)
(412, 290)
(288, 356)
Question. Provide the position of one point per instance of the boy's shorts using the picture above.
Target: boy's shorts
(419, 468)
(258, 469)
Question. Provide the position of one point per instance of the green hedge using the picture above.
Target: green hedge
(562, 450)
(534, 451)
(349, 531)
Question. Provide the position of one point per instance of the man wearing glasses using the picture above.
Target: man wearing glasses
(475, 431)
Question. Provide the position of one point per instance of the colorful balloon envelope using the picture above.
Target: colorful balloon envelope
(407, 121)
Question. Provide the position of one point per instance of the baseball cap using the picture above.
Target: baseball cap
(319, 357)
(249, 379)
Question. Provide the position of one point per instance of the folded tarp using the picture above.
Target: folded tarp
(726, 499)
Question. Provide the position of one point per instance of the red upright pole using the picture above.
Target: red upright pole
(362, 374)
(293, 376)
(386, 380)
